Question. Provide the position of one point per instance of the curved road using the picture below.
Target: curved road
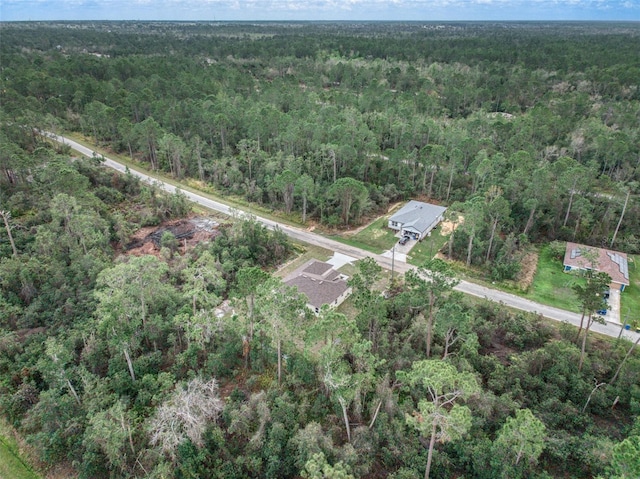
(511, 300)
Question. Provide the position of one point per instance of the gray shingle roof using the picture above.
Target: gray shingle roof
(317, 267)
(418, 215)
(318, 281)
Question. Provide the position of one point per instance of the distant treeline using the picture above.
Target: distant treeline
(542, 116)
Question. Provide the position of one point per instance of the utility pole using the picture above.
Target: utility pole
(393, 260)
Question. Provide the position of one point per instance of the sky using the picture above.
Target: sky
(256, 10)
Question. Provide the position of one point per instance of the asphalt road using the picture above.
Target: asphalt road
(511, 300)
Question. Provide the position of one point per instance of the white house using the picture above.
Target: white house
(416, 219)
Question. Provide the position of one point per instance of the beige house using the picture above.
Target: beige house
(320, 283)
(614, 263)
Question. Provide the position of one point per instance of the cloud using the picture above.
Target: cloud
(320, 9)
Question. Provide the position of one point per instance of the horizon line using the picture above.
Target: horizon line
(330, 21)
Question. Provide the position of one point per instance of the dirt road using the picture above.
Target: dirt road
(511, 300)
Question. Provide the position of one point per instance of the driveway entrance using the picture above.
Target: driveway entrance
(400, 251)
(613, 311)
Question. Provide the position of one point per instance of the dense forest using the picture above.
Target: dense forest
(530, 127)
(115, 365)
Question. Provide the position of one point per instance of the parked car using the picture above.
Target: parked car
(404, 240)
(602, 312)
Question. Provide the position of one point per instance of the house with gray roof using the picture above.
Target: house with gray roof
(320, 283)
(416, 219)
(614, 263)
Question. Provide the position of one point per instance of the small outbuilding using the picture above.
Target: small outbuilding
(416, 219)
(320, 283)
(614, 263)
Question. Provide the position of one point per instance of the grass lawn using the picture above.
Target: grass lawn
(12, 465)
(552, 286)
(348, 308)
(376, 238)
(428, 247)
(305, 253)
(630, 297)
(355, 243)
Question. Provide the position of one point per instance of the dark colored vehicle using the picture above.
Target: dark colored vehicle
(404, 240)
(602, 312)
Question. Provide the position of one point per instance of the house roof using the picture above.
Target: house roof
(613, 263)
(417, 215)
(318, 281)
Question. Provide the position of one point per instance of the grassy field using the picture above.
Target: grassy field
(355, 243)
(552, 286)
(376, 237)
(12, 465)
(428, 247)
(630, 297)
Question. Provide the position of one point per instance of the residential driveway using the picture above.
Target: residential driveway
(613, 311)
(401, 257)
(338, 260)
(405, 248)
(401, 250)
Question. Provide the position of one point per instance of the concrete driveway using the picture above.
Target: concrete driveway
(613, 311)
(401, 250)
(338, 260)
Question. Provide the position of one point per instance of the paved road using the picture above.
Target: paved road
(511, 300)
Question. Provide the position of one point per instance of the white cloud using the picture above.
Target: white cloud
(320, 9)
